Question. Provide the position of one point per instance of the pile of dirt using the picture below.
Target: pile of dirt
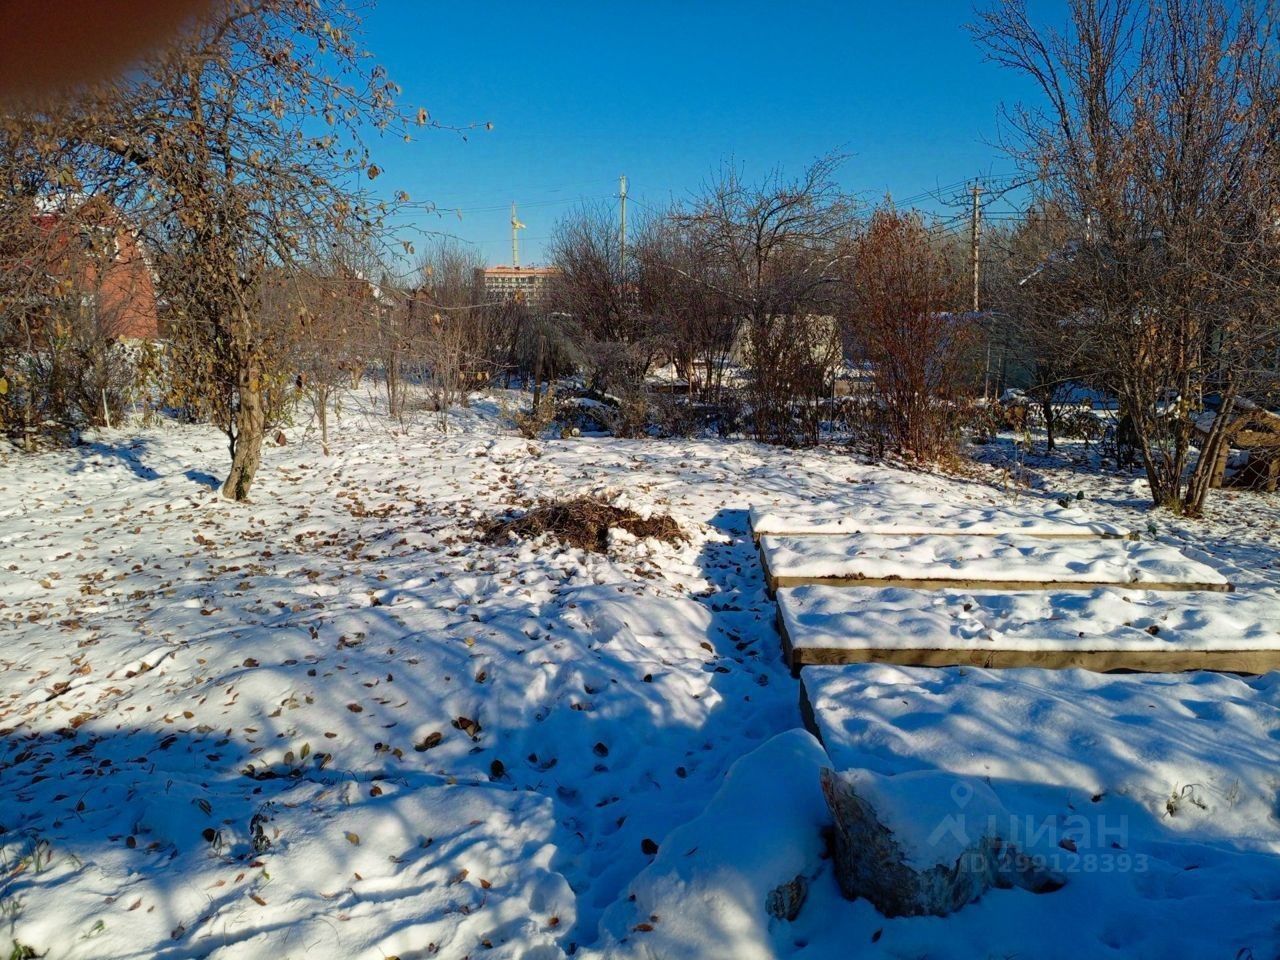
(581, 522)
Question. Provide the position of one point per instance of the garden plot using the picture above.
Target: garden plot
(1099, 629)
(508, 731)
(974, 562)
(927, 518)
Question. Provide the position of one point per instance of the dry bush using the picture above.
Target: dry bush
(585, 414)
(535, 421)
(69, 285)
(675, 417)
(596, 286)
(901, 321)
(698, 326)
(582, 522)
(773, 251)
(630, 418)
(460, 333)
(792, 359)
(1081, 425)
(320, 317)
(627, 415)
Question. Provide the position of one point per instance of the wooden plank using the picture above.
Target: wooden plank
(808, 716)
(1105, 618)
(1144, 566)
(776, 583)
(1099, 661)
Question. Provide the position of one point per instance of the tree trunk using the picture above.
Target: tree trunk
(1163, 467)
(1046, 405)
(1165, 483)
(1220, 467)
(322, 414)
(1163, 478)
(250, 427)
(1213, 451)
(537, 373)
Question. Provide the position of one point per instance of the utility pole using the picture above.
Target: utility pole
(622, 215)
(516, 225)
(975, 234)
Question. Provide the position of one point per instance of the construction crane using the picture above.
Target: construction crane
(516, 226)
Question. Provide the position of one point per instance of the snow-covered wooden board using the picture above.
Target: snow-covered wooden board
(938, 519)
(1101, 629)
(977, 562)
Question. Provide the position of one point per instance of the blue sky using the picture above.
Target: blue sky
(663, 91)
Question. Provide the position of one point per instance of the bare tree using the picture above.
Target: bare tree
(698, 325)
(318, 317)
(1036, 328)
(1159, 141)
(236, 150)
(597, 288)
(459, 327)
(774, 251)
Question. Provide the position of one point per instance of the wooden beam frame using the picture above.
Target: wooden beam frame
(1148, 660)
(775, 583)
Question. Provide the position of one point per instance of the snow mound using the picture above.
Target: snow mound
(706, 893)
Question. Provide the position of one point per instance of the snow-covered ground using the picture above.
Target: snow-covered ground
(1155, 796)
(834, 618)
(333, 724)
(1004, 560)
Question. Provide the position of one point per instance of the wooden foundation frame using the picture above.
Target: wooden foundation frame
(1151, 660)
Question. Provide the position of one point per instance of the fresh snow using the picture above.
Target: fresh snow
(703, 894)
(164, 651)
(913, 512)
(334, 725)
(1165, 786)
(985, 559)
(894, 618)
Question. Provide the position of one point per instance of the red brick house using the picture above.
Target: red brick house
(92, 254)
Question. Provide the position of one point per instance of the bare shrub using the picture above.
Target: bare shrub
(67, 307)
(678, 418)
(318, 316)
(697, 324)
(900, 317)
(458, 330)
(630, 418)
(533, 422)
(1080, 424)
(596, 286)
(773, 251)
(543, 346)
